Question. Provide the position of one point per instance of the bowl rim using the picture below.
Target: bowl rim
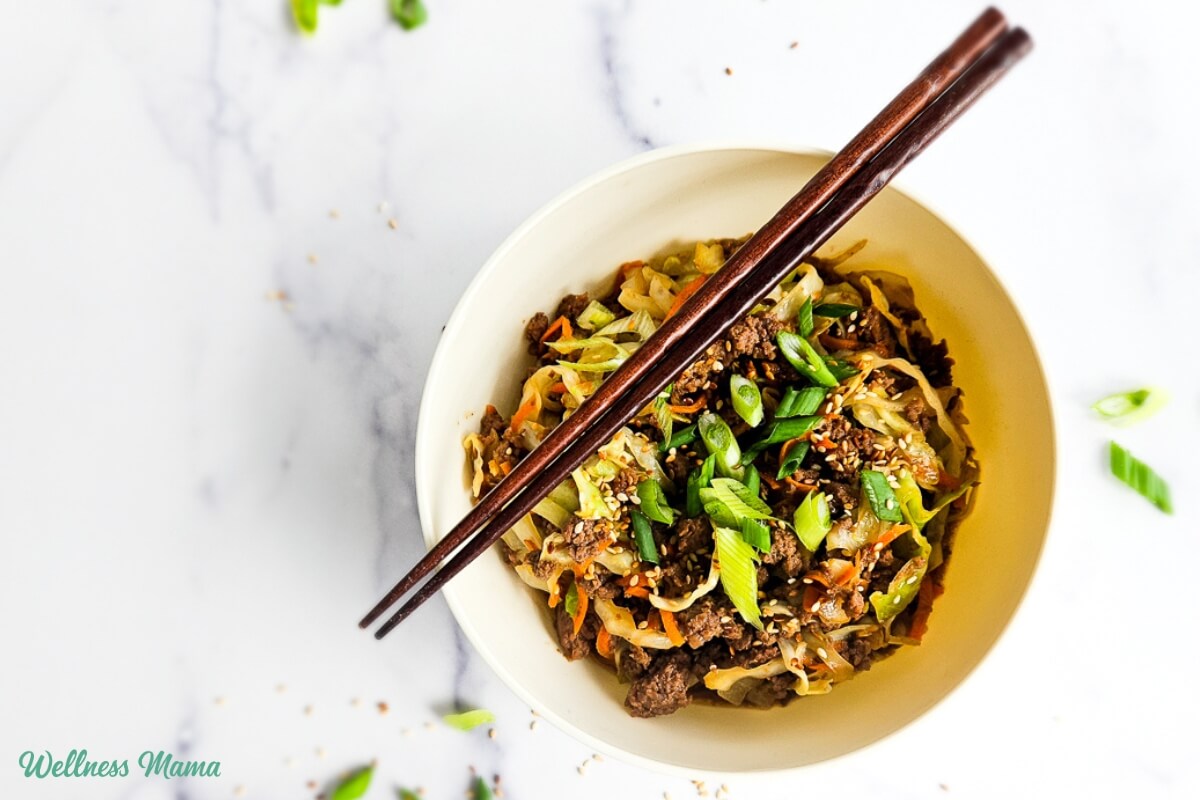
(422, 442)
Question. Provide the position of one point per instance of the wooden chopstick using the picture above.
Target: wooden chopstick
(662, 363)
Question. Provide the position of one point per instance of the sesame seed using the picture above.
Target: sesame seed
(622, 497)
(815, 607)
(382, 706)
(911, 580)
(805, 580)
(308, 711)
(491, 733)
(896, 600)
(643, 625)
(393, 224)
(726, 619)
(239, 791)
(853, 315)
(637, 501)
(889, 504)
(821, 652)
(533, 725)
(634, 580)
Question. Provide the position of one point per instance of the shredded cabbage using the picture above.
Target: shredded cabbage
(678, 604)
(618, 621)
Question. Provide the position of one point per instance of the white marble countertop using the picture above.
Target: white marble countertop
(202, 488)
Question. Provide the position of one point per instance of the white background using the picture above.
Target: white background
(202, 489)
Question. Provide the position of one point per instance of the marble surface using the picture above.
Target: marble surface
(214, 345)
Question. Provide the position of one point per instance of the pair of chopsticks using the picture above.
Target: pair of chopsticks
(976, 60)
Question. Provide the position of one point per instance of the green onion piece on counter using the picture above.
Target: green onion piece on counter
(305, 14)
(1140, 477)
(409, 13)
(594, 317)
(804, 318)
(738, 498)
(780, 431)
(718, 438)
(791, 463)
(662, 414)
(812, 520)
(355, 786)
(834, 310)
(679, 438)
(654, 502)
(480, 790)
(752, 479)
(407, 794)
(756, 534)
(880, 495)
(747, 400)
(643, 537)
(1124, 408)
(807, 361)
(469, 719)
(800, 402)
(739, 573)
(571, 600)
(698, 479)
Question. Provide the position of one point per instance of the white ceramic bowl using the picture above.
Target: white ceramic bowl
(631, 211)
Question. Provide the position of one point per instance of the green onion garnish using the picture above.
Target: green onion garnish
(747, 400)
(812, 520)
(654, 502)
(698, 479)
(780, 431)
(409, 13)
(407, 794)
(643, 537)
(834, 310)
(880, 495)
(756, 534)
(800, 402)
(718, 438)
(804, 318)
(752, 479)
(571, 600)
(679, 438)
(480, 790)
(469, 719)
(1126, 407)
(305, 14)
(1139, 476)
(807, 361)
(738, 498)
(840, 369)
(792, 462)
(739, 573)
(356, 785)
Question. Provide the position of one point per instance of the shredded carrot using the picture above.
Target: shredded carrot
(812, 596)
(788, 445)
(890, 535)
(604, 643)
(769, 481)
(653, 620)
(637, 591)
(563, 324)
(557, 388)
(581, 607)
(490, 409)
(826, 442)
(526, 411)
(555, 595)
(671, 629)
(920, 621)
(531, 544)
(684, 294)
(804, 487)
(848, 573)
(690, 408)
(505, 467)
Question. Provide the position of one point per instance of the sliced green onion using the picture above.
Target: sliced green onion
(409, 13)
(1126, 407)
(469, 719)
(594, 316)
(800, 402)
(480, 790)
(747, 400)
(804, 318)
(752, 479)
(408, 794)
(780, 431)
(738, 497)
(679, 438)
(756, 534)
(698, 479)
(354, 786)
(654, 502)
(881, 497)
(739, 573)
(643, 537)
(718, 438)
(792, 463)
(807, 361)
(305, 13)
(812, 520)
(1139, 476)
(720, 514)
(834, 310)
(840, 370)
(571, 600)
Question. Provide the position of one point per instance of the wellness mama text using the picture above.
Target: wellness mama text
(151, 763)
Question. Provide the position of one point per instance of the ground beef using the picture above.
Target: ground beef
(773, 691)
(542, 569)
(677, 578)
(602, 585)
(842, 497)
(918, 412)
(535, 329)
(492, 422)
(696, 377)
(755, 336)
(575, 646)
(877, 332)
(858, 653)
(571, 306)
(631, 662)
(627, 481)
(587, 538)
(933, 359)
(700, 623)
(854, 445)
(662, 689)
(693, 536)
(756, 654)
(786, 555)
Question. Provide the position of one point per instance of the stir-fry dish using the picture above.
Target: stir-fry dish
(777, 519)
